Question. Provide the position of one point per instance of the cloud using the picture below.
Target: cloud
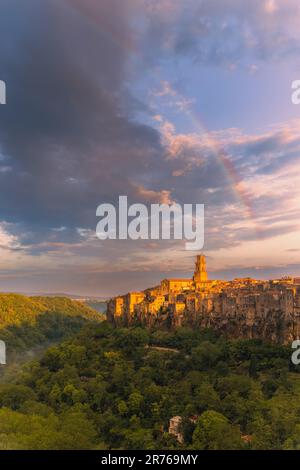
(248, 183)
(65, 135)
(158, 197)
(257, 272)
(224, 33)
(67, 141)
(77, 131)
(8, 241)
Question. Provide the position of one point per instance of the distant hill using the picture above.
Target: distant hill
(98, 305)
(28, 325)
(62, 294)
(16, 309)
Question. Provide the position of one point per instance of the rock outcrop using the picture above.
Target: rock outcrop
(242, 308)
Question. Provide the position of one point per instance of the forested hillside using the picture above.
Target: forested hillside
(27, 322)
(16, 309)
(118, 389)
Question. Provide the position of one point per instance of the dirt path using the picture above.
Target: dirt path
(160, 348)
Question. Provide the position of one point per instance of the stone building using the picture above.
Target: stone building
(241, 308)
(175, 425)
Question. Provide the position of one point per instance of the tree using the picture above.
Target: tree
(79, 433)
(293, 442)
(13, 396)
(122, 408)
(253, 367)
(132, 341)
(263, 436)
(135, 402)
(206, 355)
(139, 439)
(206, 398)
(214, 432)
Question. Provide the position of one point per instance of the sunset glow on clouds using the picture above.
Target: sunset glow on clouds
(163, 101)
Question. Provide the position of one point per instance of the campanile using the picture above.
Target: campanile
(200, 274)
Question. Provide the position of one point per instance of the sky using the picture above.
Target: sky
(160, 100)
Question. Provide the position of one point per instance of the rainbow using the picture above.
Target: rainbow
(235, 179)
(223, 158)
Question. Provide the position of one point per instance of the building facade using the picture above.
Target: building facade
(241, 308)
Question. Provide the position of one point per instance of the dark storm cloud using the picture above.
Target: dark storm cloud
(70, 137)
(66, 142)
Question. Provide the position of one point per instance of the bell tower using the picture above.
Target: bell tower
(200, 274)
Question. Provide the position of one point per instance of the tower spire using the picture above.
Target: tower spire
(200, 274)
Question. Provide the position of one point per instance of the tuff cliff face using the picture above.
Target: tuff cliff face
(275, 326)
(242, 308)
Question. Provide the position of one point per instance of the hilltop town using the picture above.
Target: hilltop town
(241, 308)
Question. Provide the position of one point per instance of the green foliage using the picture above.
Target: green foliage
(12, 396)
(206, 397)
(30, 322)
(17, 309)
(71, 430)
(214, 432)
(119, 388)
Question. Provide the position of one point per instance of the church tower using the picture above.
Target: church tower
(200, 274)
